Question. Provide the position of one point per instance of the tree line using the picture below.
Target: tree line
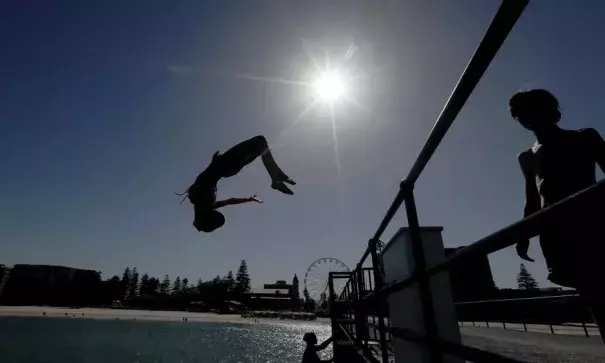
(136, 290)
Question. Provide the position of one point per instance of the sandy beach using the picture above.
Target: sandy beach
(126, 314)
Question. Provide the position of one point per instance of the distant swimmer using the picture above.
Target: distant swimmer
(202, 193)
(310, 354)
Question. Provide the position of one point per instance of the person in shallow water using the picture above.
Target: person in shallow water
(310, 354)
(560, 164)
(202, 193)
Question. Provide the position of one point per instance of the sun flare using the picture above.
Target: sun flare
(330, 86)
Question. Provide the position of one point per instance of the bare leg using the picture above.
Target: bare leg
(242, 154)
(273, 169)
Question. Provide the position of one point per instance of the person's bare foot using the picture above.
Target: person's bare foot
(197, 226)
(286, 179)
(279, 185)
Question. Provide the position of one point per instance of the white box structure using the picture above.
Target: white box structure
(405, 306)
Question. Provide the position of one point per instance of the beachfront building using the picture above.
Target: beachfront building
(279, 296)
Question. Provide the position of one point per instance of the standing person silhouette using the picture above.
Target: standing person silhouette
(560, 164)
(202, 193)
(310, 354)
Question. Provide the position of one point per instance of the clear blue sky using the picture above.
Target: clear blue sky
(107, 108)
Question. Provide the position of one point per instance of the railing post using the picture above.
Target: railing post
(426, 296)
(332, 313)
(356, 307)
(361, 317)
(378, 283)
(585, 330)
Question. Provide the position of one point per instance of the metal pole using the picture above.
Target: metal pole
(361, 323)
(525, 228)
(395, 205)
(357, 297)
(585, 330)
(365, 255)
(381, 303)
(353, 281)
(426, 297)
(504, 20)
(332, 313)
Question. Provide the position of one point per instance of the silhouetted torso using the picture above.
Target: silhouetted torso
(563, 165)
(310, 355)
(203, 190)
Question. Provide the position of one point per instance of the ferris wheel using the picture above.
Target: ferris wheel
(317, 275)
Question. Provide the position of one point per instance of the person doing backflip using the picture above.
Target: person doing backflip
(560, 164)
(202, 193)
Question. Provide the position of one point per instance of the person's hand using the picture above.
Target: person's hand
(522, 248)
(254, 199)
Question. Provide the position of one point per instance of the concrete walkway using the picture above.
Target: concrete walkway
(535, 347)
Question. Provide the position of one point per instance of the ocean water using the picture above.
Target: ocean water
(64, 340)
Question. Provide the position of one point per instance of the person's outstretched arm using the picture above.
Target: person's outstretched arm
(532, 199)
(233, 201)
(324, 345)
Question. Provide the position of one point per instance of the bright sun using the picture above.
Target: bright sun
(330, 86)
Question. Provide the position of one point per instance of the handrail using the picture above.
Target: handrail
(496, 34)
(547, 297)
(503, 22)
(363, 353)
(508, 236)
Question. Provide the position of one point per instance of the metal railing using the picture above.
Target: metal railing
(367, 325)
(359, 300)
(568, 311)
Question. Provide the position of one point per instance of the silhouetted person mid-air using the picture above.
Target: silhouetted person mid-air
(310, 354)
(560, 164)
(202, 193)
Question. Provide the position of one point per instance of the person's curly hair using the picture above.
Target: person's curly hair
(525, 103)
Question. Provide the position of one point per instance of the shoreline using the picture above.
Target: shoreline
(146, 315)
